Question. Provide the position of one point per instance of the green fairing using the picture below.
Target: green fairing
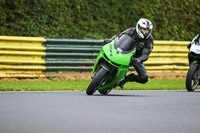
(116, 57)
(100, 55)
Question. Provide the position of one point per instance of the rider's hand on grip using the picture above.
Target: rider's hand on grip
(135, 60)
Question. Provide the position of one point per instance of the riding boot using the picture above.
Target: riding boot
(130, 78)
(121, 84)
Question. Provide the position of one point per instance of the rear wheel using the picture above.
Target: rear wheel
(95, 83)
(192, 78)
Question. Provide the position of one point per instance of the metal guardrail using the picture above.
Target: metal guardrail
(32, 56)
(22, 56)
(168, 56)
(71, 54)
(79, 55)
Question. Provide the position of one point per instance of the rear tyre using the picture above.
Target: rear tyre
(192, 80)
(95, 83)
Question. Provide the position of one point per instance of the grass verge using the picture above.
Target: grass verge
(153, 84)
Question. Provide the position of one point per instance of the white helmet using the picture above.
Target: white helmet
(144, 24)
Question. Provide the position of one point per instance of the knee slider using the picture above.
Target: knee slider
(144, 79)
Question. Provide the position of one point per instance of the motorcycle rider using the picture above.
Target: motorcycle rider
(143, 40)
(195, 40)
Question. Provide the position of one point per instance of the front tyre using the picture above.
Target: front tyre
(104, 92)
(192, 78)
(95, 83)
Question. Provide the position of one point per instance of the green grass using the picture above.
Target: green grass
(153, 84)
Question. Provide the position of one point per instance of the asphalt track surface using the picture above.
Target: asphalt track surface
(176, 111)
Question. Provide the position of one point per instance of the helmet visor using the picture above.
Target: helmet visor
(145, 31)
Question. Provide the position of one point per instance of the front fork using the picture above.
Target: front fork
(196, 77)
(198, 72)
(194, 62)
(198, 69)
(106, 66)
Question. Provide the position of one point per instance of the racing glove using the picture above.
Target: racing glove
(135, 60)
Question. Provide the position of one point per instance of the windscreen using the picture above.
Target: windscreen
(124, 44)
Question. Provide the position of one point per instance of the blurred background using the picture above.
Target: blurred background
(86, 19)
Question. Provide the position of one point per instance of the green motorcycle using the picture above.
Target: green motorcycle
(111, 65)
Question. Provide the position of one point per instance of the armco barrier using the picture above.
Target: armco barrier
(71, 54)
(79, 55)
(35, 56)
(22, 56)
(168, 56)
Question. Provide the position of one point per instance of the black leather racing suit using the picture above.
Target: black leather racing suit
(143, 49)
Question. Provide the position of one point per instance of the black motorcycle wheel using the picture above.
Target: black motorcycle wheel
(95, 83)
(104, 92)
(192, 80)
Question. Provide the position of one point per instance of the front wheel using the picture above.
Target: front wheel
(192, 78)
(104, 92)
(95, 83)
